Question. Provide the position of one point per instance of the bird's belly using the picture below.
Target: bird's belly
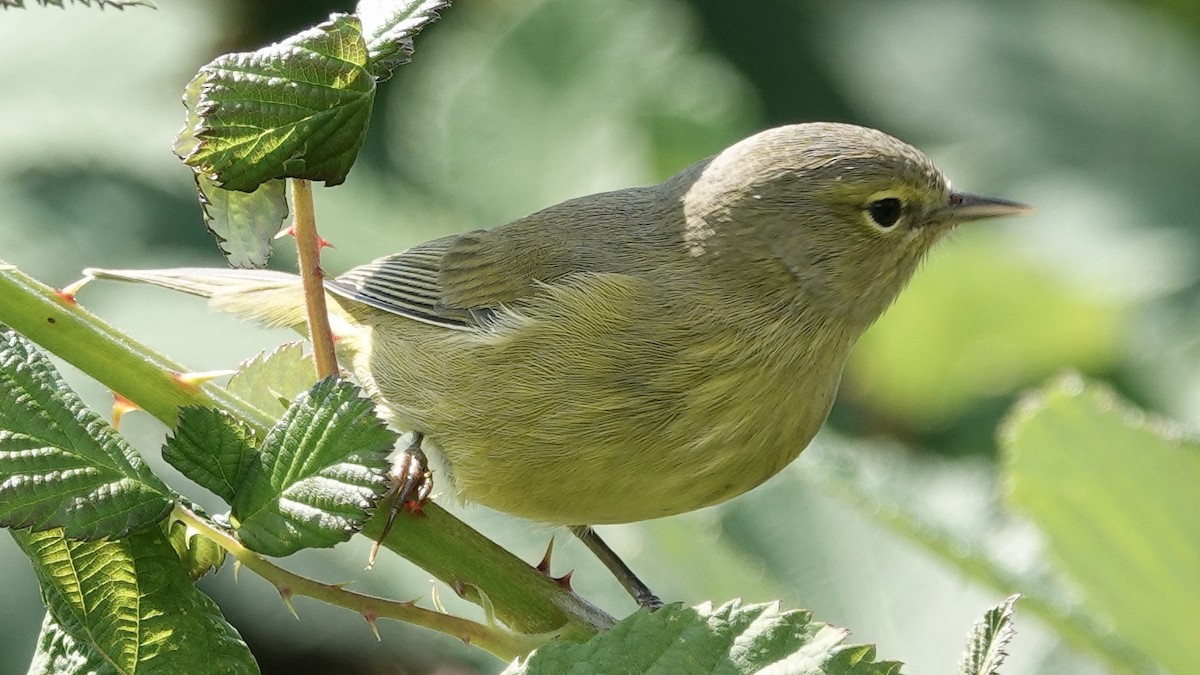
(542, 427)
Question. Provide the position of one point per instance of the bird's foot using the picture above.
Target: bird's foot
(411, 484)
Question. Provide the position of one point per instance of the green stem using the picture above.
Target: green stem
(503, 643)
(523, 598)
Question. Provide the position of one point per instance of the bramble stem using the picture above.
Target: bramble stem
(308, 246)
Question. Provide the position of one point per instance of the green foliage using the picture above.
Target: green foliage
(523, 104)
(273, 379)
(318, 471)
(127, 606)
(213, 448)
(1115, 493)
(244, 223)
(298, 108)
(60, 464)
(389, 27)
(116, 4)
(991, 635)
(732, 638)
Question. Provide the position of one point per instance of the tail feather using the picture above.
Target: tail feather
(272, 298)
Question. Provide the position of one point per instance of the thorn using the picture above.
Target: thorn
(544, 565)
(437, 599)
(289, 231)
(286, 594)
(564, 581)
(193, 380)
(373, 621)
(460, 587)
(121, 405)
(466, 639)
(340, 586)
(67, 293)
(237, 569)
(374, 552)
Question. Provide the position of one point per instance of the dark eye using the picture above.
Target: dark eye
(885, 212)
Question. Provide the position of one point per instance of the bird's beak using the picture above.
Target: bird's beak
(965, 206)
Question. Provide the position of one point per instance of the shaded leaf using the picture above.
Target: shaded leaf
(991, 634)
(319, 470)
(271, 380)
(60, 464)
(199, 554)
(212, 448)
(298, 108)
(244, 223)
(732, 638)
(389, 27)
(1114, 491)
(130, 602)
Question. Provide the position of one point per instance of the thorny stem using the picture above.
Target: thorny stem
(308, 246)
(524, 599)
(503, 643)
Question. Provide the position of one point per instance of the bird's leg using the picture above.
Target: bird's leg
(411, 482)
(625, 576)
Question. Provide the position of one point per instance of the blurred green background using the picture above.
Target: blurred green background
(1086, 109)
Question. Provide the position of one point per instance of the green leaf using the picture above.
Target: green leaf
(199, 554)
(131, 603)
(60, 464)
(273, 379)
(1116, 494)
(244, 223)
(115, 4)
(389, 27)
(733, 638)
(212, 448)
(318, 472)
(298, 108)
(991, 634)
(951, 508)
(58, 653)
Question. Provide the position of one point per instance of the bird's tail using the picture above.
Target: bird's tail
(272, 298)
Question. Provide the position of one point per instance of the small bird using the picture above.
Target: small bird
(639, 353)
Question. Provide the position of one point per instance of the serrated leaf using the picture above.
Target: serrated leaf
(298, 108)
(733, 638)
(319, 470)
(130, 602)
(212, 448)
(244, 223)
(985, 646)
(115, 4)
(271, 380)
(58, 653)
(1115, 493)
(60, 464)
(199, 554)
(389, 27)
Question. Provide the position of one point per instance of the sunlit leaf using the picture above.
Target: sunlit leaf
(60, 464)
(732, 638)
(298, 108)
(319, 470)
(130, 602)
(1114, 491)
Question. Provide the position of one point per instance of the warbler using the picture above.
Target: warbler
(639, 353)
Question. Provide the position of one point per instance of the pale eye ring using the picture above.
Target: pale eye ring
(886, 212)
